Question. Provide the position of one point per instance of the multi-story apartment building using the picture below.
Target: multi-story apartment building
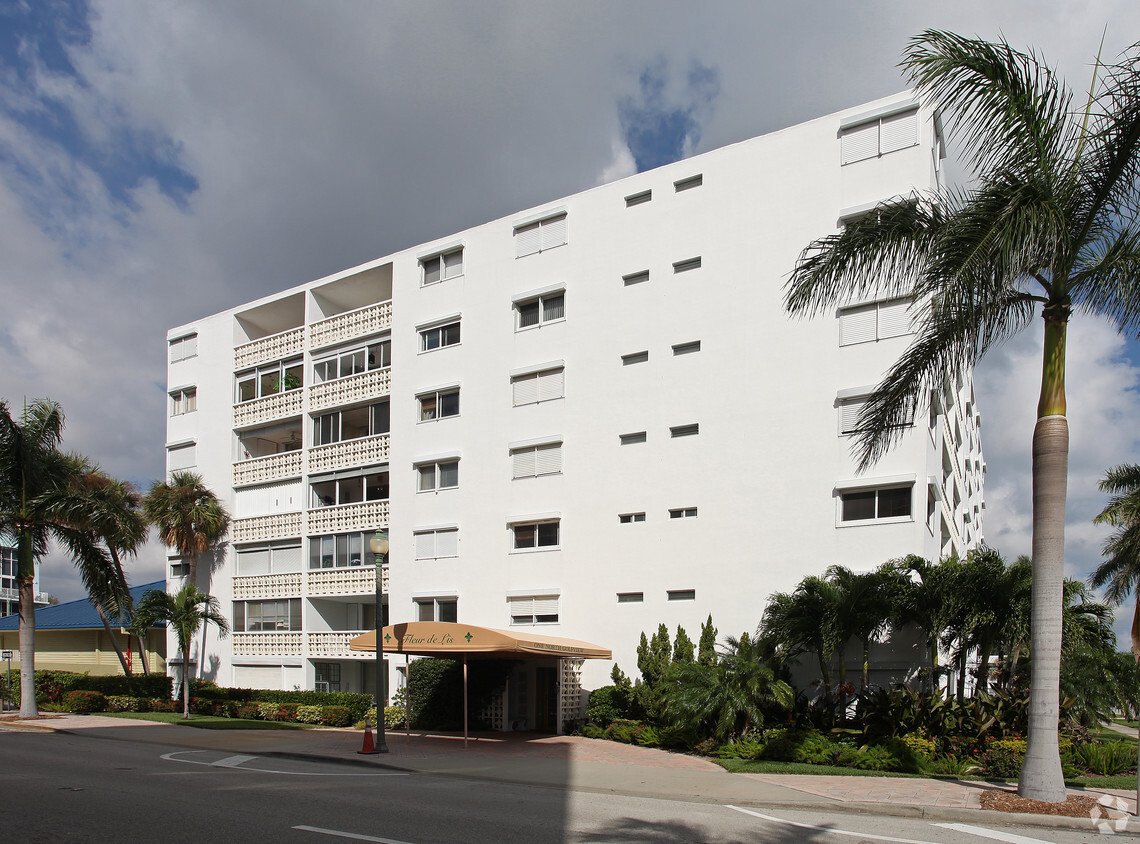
(9, 588)
(589, 418)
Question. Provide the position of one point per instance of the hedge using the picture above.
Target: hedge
(51, 686)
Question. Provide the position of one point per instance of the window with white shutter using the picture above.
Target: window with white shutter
(877, 137)
(434, 544)
(443, 266)
(532, 387)
(898, 131)
(894, 318)
(181, 457)
(537, 609)
(183, 347)
(532, 461)
(857, 325)
(849, 411)
(876, 321)
(540, 235)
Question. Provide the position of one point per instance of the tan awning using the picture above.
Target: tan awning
(446, 639)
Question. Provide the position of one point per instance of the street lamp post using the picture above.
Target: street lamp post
(378, 545)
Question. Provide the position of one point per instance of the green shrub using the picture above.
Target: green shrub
(249, 711)
(395, 717)
(743, 749)
(820, 750)
(622, 730)
(677, 735)
(268, 711)
(646, 736)
(782, 744)
(1108, 759)
(592, 731)
(336, 716)
(164, 704)
(1002, 759)
(607, 704)
(82, 702)
(919, 743)
(308, 714)
(875, 757)
(122, 703)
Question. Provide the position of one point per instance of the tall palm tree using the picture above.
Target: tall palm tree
(187, 611)
(1049, 224)
(1121, 571)
(804, 621)
(188, 516)
(32, 470)
(929, 601)
(863, 612)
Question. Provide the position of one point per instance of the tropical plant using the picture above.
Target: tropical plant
(186, 611)
(803, 621)
(1120, 573)
(1049, 224)
(863, 611)
(189, 517)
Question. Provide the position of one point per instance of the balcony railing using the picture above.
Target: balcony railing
(335, 643)
(277, 406)
(354, 388)
(366, 515)
(266, 527)
(267, 644)
(273, 347)
(286, 585)
(259, 469)
(357, 580)
(359, 323)
(365, 451)
(40, 598)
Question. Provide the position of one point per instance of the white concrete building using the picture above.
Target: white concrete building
(9, 587)
(592, 417)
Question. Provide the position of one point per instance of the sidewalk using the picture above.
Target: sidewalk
(581, 764)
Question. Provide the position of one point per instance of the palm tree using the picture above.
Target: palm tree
(32, 471)
(863, 612)
(928, 602)
(188, 515)
(803, 621)
(1050, 223)
(1121, 571)
(186, 612)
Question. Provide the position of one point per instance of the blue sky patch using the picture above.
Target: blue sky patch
(662, 122)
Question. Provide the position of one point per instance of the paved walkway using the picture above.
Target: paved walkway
(581, 764)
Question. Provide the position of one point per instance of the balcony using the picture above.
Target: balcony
(335, 643)
(277, 526)
(365, 451)
(354, 388)
(273, 347)
(267, 586)
(365, 515)
(39, 598)
(277, 406)
(359, 323)
(357, 580)
(270, 468)
(267, 644)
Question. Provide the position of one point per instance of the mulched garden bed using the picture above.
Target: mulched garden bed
(1008, 801)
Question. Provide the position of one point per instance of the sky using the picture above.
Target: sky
(167, 159)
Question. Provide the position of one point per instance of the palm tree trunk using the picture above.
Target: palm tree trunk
(114, 641)
(185, 679)
(26, 581)
(143, 658)
(1136, 628)
(866, 663)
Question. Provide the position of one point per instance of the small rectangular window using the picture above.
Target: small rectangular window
(635, 278)
(685, 430)
(630, 518)
(867, 504)
(537, 609)
(687, 348)
(683, 513)
(540, 235)
(634, 357)
(533, 461)
(183, 401)
(439, 336)
(533, 387)
(434, 544)
(687, 264)
(439, 404)
(638, 198)
(443, 266)
(632, 439)
(688, 183)
(535, 535)
(682, 594)
(435, 476)
(540, 310)
(630, 597)
(183, 348)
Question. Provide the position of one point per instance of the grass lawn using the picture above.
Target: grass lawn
(207, 722)
(1125, 723)
(1101, 733)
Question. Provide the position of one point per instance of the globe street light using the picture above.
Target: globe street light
(378, 545)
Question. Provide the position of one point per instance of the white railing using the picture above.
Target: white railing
(277, 406)
(335, 643)
(39, 598)
(361, 452)
(364, 385)
(266, 527)
(267, 644)
(358, 323)
(366, 515)
(273, 347)
(357, 580)
(258, 469)
(267, 586)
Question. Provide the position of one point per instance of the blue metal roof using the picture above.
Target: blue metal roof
(76, 615)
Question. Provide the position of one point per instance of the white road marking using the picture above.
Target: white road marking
(236, 763)
(354, 835)
(861, 835)
(1008, 837)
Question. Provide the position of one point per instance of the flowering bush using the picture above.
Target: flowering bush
(336, 716)
(83, 702)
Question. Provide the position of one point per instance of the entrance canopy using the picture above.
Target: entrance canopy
(447, 639)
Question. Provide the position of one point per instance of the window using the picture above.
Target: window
(326, 675)
(876, 321)
(635, 278)
(435, 544)
(532, 461)
(638, 198)
(634, 357)
(630, 518)
(685, 430)
(273, 558)
(442, 266)
(353, 361)
(180, 567)
(439, 404)
(872, 138)
(687, 264)
(349, 487)
(435, 476)
(850, 410)
(540, 310)
(687, 348)
(257, 616)
(532, 387)
(681, 594)
(534, 609)
(688, 183)
(351, 424)
(630, 597)
(683, 513)
(632, 439)
(865, 504)
(342, 550)
(437, 609)
(270, 379)
(181, 457)
(439, 336)
(183, 401)
(183, 347)
(535, 535)
(540, 235)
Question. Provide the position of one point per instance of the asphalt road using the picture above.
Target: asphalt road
(59, 787)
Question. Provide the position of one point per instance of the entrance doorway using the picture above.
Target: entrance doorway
(546, 699)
